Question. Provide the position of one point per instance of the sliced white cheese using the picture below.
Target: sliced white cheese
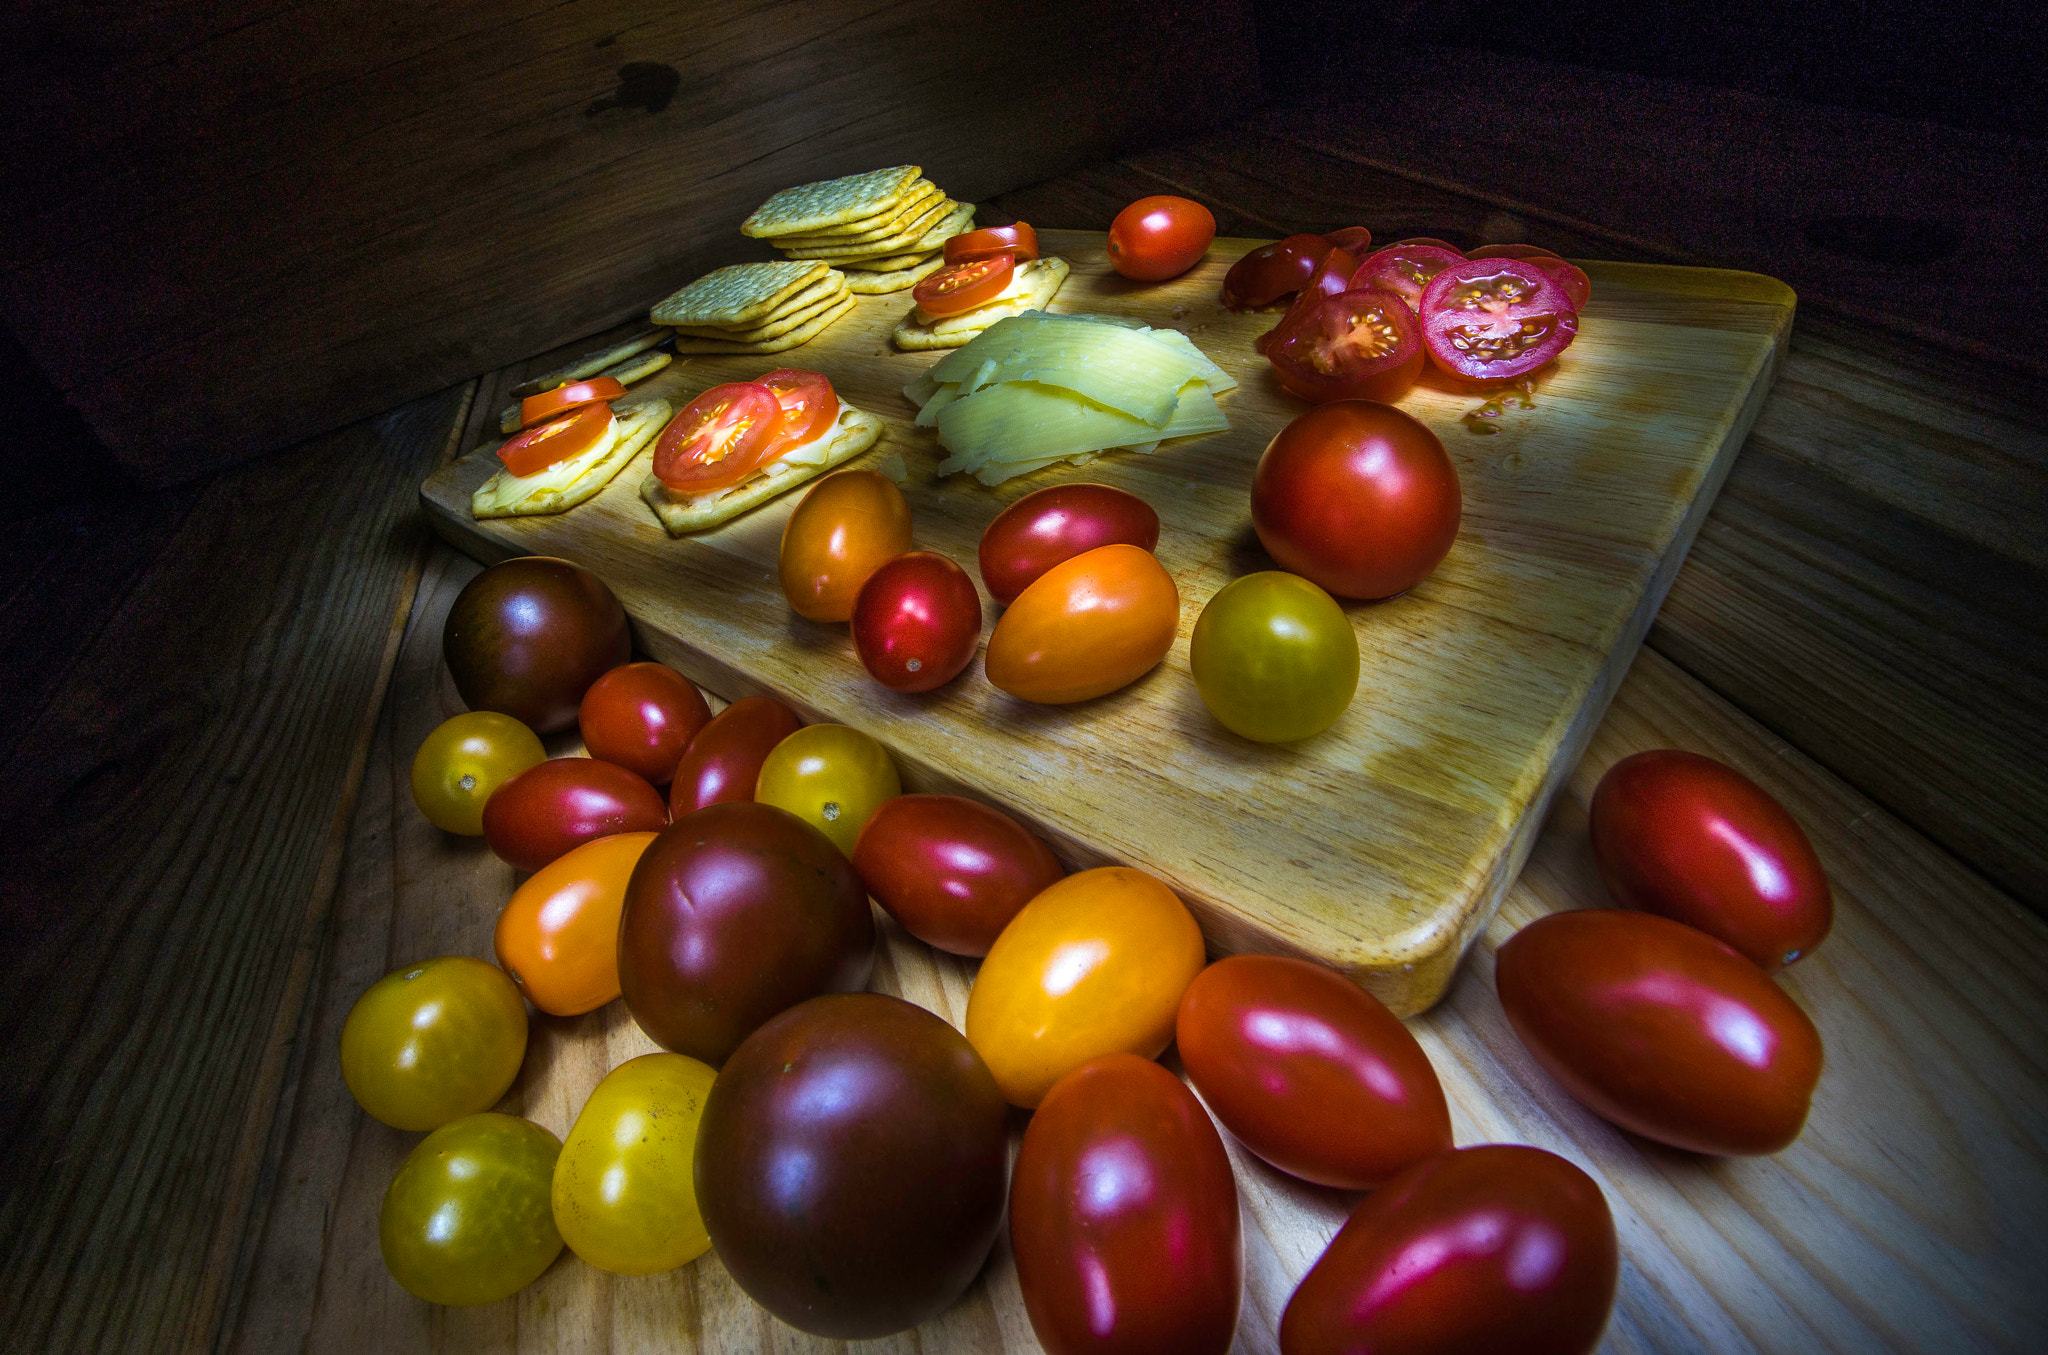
(505, 491)
(1029, 421)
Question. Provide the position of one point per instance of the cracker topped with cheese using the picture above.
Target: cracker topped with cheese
(558, 487)
(1032, 284)
(852, 432)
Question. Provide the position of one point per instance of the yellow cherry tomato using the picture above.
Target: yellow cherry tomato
(830, 776)
(433, 1042)
(463, 761)
(625, 1195)
(1274, 657)
(559, 937)
(850, 524)
(466, 1218)
(1094, 965)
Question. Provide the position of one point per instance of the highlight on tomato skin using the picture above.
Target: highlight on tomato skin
(1160, 237)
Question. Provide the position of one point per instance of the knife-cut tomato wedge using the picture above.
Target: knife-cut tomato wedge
(1019, 240)
(1405, 269)
(1353, 240)
(719, 438)
(809, 405)
(551, 443)
(1273, 271)
(574, 395)
(963, 286)
(1332, 277)
(1359, 345)
(1495, 319)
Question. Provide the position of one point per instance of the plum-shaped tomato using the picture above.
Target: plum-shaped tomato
(952, 871)
(850, 1165)
(1086, 627)
(1051, 525)
(845, 528)
(527, 637)
(723, 762)
(642, 716)
(562, 803)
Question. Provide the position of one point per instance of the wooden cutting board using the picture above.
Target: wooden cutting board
(1381, 846)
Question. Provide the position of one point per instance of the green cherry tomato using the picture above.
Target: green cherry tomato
(466, 1220)
(463, 761)
(830, 776)
(433, 1042)
(1275, 658)
(625, 1194)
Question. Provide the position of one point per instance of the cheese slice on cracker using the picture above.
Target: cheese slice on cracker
(1033, 285)
(562, 486)
(852, 432)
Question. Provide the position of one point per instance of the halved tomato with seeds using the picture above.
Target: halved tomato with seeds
(1495, 319)
(1360, 345)
(1405, 269)
(553, 443)
(1578, 288)
(719, 438)
(809, 405)
(963, 286)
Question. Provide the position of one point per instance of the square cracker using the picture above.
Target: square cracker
(894, 243)
(955, 330)
(773, 328)
(738, 294)
(831, 202)
(872, 284)
(917, 221)
(923, 197)
(638, 423)
(804, 333)
(591, 364)
(642, 364)
(856, 430)
(889, 263)
(948, 226)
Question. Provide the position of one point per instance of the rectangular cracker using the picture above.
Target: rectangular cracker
(890, 263)
(771, 329)
(924, 195)
(737, 294)
(857, 431)
(880, 245)
(803, 334)
(955, 330)
(638, 424)
(831, 202)
(910, 222)
(591, 364)
(954, 222)
(902, 279)
(635, 368)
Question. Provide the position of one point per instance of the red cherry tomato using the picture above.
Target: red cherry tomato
(1312, 1072)
(1495, 319)
(952, 871)
(1357, 497)
(1018, 240)
(1406, 269)
(1360, 345)
(1123, 1216)
(1272, 272)
(1471, 1252)
(1511, 252)
(1661, 1029)
(1159, 237)
(916, 621)
(552, 443)
(1353, 240)
(963, 286)
(642, 716)
(809, 405)
(1050, 525)
(719, 438)
(724, 761)
(1578, 288)
(564, 802)
(551, 404)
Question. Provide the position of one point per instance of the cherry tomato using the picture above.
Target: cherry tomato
(1511, 252)
(846, 527)
(809, 405)
(1094, 964)
(1405, 269)
(1312, 1072)
(724, 761)
(567, 437)
(1353, 240)
(463, 761)
(1578, 288)
(641, 716)
(1495, 319)
(1159, 237)
(735, 913)
(961, 287)
(544, 811)
(952, 871)
(1054, 524)
(1661, 1029)
(550, 404)
(1469, 1252)
(1271, 272)
(1123, 1216)
(624, 1191)
(1358, 498)
(527, 637)
(1359, 345)
(466, 1219)
(1697, 841)
(1086, 627)
(719, 438)
(433, 1042)
(1018, 240)
(559, 936)
(916, 622)
(830, 776)
(1274, 657)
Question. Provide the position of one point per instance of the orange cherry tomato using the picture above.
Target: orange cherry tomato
(850, 523)
(719, 438)
(552, 443)
(559, 937)
(576, 394)
(809, 405)
(963, 286)
(1019, 240)
(1085, 627)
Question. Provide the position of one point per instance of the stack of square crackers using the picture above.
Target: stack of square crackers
(886, 228)
(756, 307)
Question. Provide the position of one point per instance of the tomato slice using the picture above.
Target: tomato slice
(1353, 240)
(574, 395)
(1019, 240)
(1496, 319)
(963, 286)
(1405, 269)
(1331, 278)
(1357, 345)
(1578, 288)
(552, 443)
(719, 438)
(1431, 241)
(1273, 271)
(809, 405)
(1511, 252)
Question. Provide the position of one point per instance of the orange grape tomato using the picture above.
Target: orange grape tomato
(553, 443)
(719, 438)
(570, 395)
(559, 937)
(1085, 627)
(963, 286)
(849, 525)
(809, 405)
(1019, 240)
(1095, 964)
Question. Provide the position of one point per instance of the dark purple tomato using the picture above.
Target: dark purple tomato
(1123, 1216)
(952, 871)
(916, 621)
(1058, 523)
(1469, 1252)
(1312, 1072)
(642, 716)
(527, 637)
(724, 760)
(563, 803)
(850, 1165)
(737, 912)
(1697, 841)
(1661, 1029)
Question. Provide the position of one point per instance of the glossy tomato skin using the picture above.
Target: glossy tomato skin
(1085, 628)
(1361, 344)
(624, 1190)
(850, 523)
(558, 938)
(463, 762)
(1274, 657)
(527, 637)
(1049, 526)
(1468, 1252)
(1160, 237)
(1697, 841)
(1358, 498)
(432, 1042)
(1312, 1072)
(1273, 272)
(916, 622)
(724, 760)
(1123, 1217)
(563, 803)
(902, 1138)
(833, 777)
(737, 912)
(953, 871)
(1096, 964)
(1661, 1029)
(466, 1219)
(641, 716)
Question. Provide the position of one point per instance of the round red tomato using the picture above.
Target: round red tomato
(1312, 1072)
(1405, 269)
(1495, 319)
(1357, 497)
(1697, 841)
(916, 622)
(1272, 272)
(564, 802)
(642, 716)
(1055, 524)
(1357, 345)
(724, 761)
(527, 637)
(952, 871)
(1661, 1029)
(1160, 237)
(1123, 1216)
(1470, 1252)
(1085, 627)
